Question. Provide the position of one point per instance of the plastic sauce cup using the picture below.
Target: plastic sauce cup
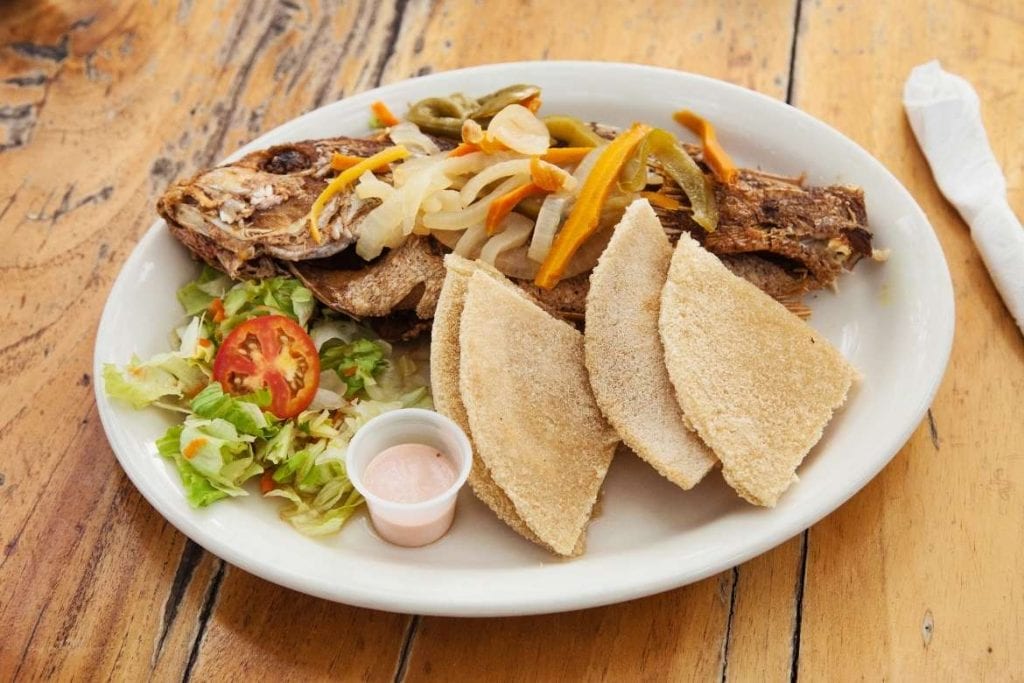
(410, 524)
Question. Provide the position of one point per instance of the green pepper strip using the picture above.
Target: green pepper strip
(679, 166)
(572, 132)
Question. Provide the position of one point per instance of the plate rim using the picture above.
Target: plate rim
(495, 603)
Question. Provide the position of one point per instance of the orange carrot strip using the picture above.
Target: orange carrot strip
(502, 206)
(463, 149)
(664, 201)
(714, 155)
(339, 162)
(566, 155)
(383, 114)
(583, 220)
(532, 103)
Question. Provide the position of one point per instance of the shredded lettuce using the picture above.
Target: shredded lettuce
(276, 295)
(196, 296)
(243, 412)
(198, 490)
(225, 441)
(356, 362)
(142, 382)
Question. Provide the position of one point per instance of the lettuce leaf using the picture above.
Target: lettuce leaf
(244, 412)
(140, 383)
(276, 295)
(196, 296)
(356, 362)
(219, 453)
(322, 497)
(198, 490)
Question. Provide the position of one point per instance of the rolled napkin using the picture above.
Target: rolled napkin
(946, 118)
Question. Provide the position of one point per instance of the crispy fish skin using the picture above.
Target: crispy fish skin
(787, 238)
(242, 216)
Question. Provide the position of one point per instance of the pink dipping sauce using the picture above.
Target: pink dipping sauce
(407, 474)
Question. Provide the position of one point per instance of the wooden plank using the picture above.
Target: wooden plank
(918, 577)
(674, 635)
(262, 631)
(102, 105)
(747, 43)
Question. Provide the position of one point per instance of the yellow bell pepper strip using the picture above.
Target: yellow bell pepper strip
(680, 167)
(714, 155)
(346, 178)
(339, 162)
(501, 207)
(662, 201)
(383, 114)
(583, 220)
(572, 131)
(562, 156)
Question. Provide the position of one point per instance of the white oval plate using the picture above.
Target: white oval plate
(893, 321)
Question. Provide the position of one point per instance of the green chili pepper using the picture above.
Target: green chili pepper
(572, 132)
(445, 115)
(489, 105)
(677, 165)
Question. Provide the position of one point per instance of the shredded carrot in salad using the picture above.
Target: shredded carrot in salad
(383, 114)
(716, 157)
(346, 178)
(192, 448)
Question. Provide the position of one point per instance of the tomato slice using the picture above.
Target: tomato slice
(274, 352)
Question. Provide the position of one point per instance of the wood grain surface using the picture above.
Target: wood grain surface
(103, 103)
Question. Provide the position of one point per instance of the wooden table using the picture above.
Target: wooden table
(919, 577)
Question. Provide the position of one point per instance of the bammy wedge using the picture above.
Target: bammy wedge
(624, 355)
(757, 383)
(531, 412)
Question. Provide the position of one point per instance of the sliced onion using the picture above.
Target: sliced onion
(472, 132)
(471, 215)
(372, 187)
(388, 224)
(487, 176)
(471, 240)
(516, 232)
(554, 208)
(408, 134)
(548, 219)
(517, 128)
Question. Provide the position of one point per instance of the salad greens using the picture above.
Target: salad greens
(224, 441)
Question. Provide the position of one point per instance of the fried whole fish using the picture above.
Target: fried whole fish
(249, 218)
(245, 216)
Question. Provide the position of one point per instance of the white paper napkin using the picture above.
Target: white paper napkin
(945, 115)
